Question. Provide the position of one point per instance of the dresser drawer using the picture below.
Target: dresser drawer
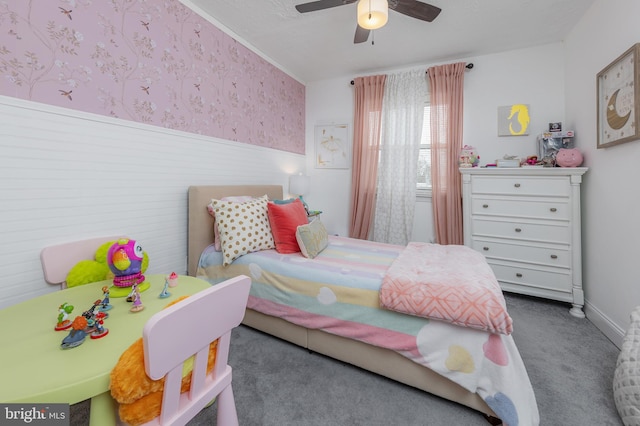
(559, 280)
(548, 186)
(553, 232)
(550, 256)
(522, 208)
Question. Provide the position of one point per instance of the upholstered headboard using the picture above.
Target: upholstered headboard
(200, 228)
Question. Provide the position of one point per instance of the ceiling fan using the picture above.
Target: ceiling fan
(412, 8)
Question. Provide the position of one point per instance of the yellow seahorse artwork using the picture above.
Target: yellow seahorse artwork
(513, 120)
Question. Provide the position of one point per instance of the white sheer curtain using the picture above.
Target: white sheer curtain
(403, 105)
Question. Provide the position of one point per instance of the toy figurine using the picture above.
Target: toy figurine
(131, 294)
(89, 313)
(77, 335)
(137, 301)
(64, 322)
(99, 330)
(105, 305)
(164, 293)
(173, 279)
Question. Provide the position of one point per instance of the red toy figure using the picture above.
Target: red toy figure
(100, 330)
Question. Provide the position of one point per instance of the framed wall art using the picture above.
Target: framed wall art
(333, 149)
(618, 94)
(513, 120)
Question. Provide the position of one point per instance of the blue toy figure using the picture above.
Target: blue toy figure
(164, 293)
(77, 334)
(105, 305)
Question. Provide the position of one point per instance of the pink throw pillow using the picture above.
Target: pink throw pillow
(284, 220)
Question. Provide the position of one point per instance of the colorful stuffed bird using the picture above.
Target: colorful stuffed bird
(130, 259)
(125, 257)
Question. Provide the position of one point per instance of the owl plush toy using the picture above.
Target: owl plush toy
(124, 259)
(89, 271)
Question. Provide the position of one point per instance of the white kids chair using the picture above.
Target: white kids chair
(58, 260)
(185, 329)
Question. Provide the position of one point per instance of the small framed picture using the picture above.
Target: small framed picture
(555, 127)
(333, 147)
(618, 97)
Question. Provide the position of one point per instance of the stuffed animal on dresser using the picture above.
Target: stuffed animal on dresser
(568, 157)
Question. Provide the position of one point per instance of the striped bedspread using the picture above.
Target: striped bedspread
(338, 292)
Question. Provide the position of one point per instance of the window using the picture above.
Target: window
(423, 181)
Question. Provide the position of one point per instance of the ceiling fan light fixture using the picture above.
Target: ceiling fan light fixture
(373, 14)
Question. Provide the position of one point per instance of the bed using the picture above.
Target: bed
(367, 352)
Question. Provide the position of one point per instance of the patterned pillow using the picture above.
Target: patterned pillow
(216, 234)
(244, 227)
(626, 377)
(452, 283)
(312, 238)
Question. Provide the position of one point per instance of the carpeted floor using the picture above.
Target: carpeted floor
(570, 363)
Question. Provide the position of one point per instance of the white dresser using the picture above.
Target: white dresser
(526, 222)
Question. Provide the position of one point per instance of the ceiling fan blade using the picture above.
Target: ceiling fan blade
(416, 9)
(321, 4)
(362, 34)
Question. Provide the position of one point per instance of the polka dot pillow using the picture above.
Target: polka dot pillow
(243, 227)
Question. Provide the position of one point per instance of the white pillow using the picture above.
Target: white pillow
(244, 227)
(626, 378)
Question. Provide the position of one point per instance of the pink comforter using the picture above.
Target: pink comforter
(446, 282)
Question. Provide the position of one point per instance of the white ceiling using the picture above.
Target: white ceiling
(319, 45)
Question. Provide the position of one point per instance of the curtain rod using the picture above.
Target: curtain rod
(468, 66)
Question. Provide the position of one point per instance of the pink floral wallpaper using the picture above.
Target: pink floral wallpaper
(149, 61)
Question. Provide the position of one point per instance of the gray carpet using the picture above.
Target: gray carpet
(570, 363)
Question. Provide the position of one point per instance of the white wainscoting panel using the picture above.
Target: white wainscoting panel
(67, 175)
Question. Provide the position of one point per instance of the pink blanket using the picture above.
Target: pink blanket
(446, 282)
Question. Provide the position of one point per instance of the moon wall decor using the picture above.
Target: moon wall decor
(618, 94)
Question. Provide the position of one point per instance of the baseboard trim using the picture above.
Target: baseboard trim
(609, 328)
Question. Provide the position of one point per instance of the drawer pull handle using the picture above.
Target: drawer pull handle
(517, 185)
(485, 206)
(554, 256)
(519, 275)
(485, 248)
(518, 230)
(553, 209)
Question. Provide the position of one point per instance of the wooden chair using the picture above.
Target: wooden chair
(185, 329)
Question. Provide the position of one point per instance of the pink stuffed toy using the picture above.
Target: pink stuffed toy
(568, 157)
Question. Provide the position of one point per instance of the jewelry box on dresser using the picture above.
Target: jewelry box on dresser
(526, 222)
